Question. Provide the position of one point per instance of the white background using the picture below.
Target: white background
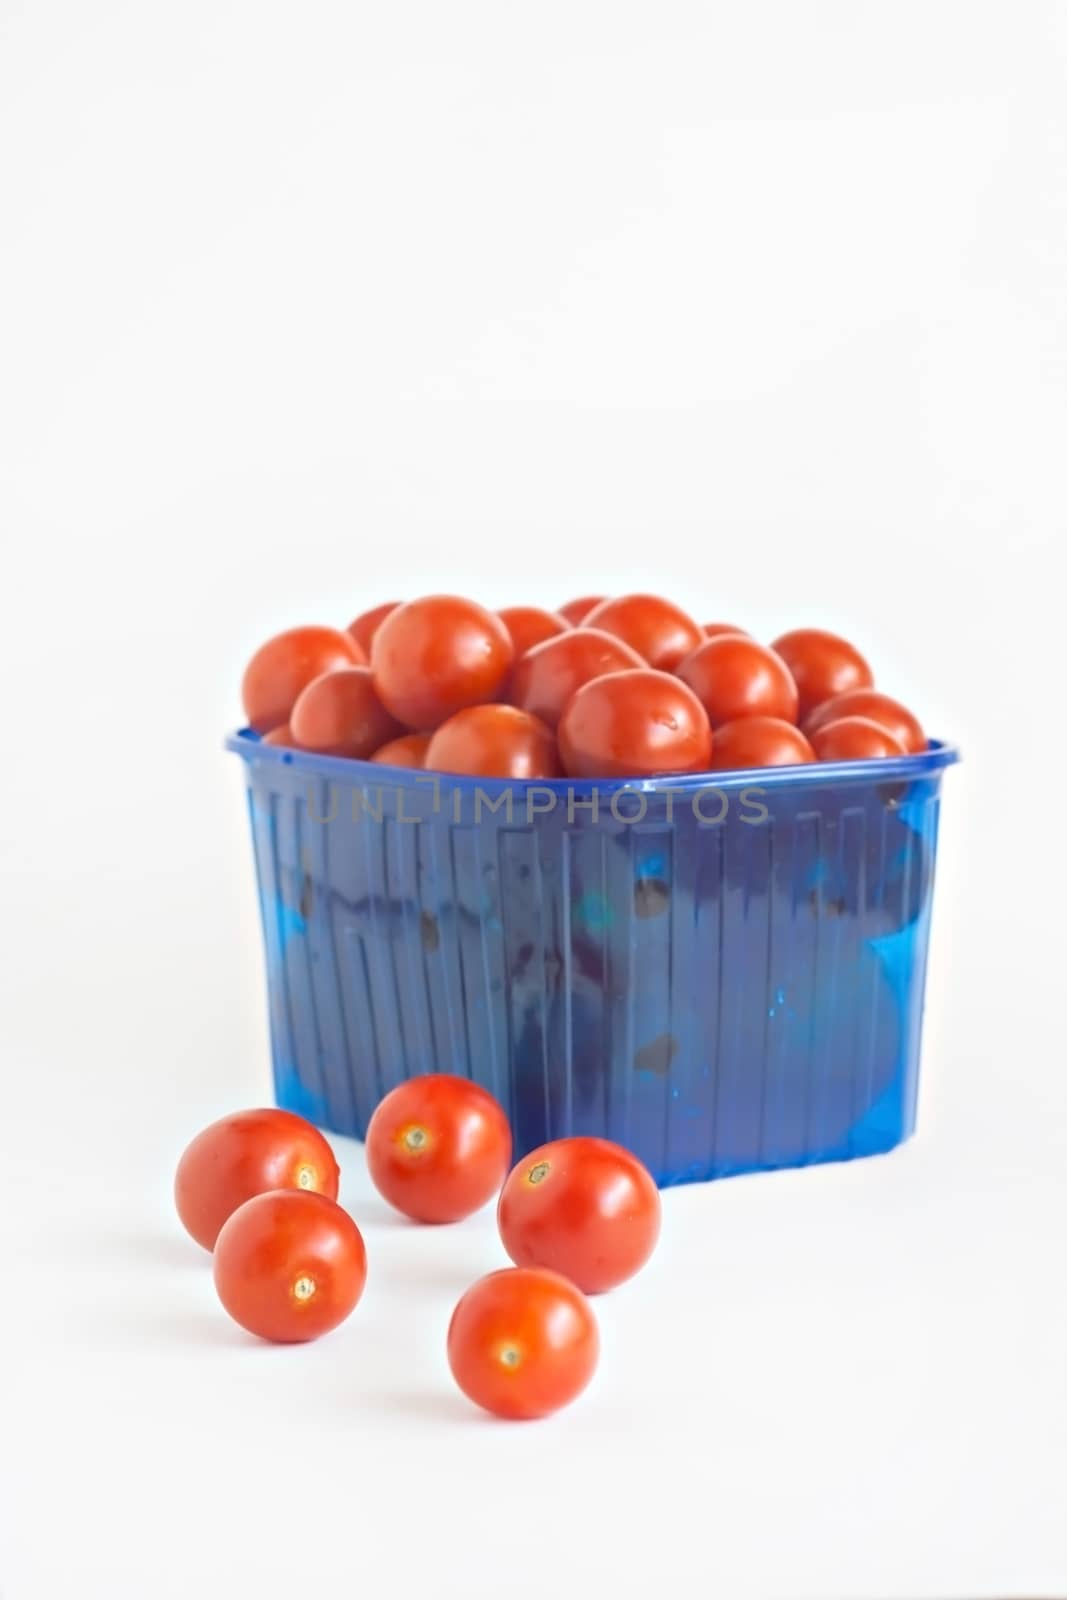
(303, 307)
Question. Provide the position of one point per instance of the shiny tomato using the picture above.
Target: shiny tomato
(407, 751)
(545, 678)
(529, 625)
(759, 742)
(290, 1266)
(733, 676)
(584, 1207)
(854, 739)
(281, 736)
(340, 715)
(660, 632)
(523, 1342)
(576, 611)
(438, 1147)
(366, 625)
(432, 657)
(713, 629)
(822, 665)
(285, 665)
(888, 713)
(494, 742)
(633, 725)
(245, 1155)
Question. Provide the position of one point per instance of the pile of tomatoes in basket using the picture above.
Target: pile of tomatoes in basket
(577, 1216)
(604, 688)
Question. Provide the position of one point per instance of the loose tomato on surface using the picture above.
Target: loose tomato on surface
(854, 739)
(576, 611)
(285, 665)
(733, 676)
(494, 742)
(438, 1147)
(658, 630)
(822, 665)
(529, 625)
(523, 1342)
(759, 742)
(548, 675)
(341, 715)
(435, 656)
(245, 1155)
(407, 751)
(363, 628)
(583, 1207)
(290, 1266)
(881, 708)
(634, 724)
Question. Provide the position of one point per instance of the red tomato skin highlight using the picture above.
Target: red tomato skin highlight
(522, 1343)
(494, 742)
(437, 655)
(823, 665)
(244, 1155)
(363, 628)
(285, 665)
(657, 629)
(576, 611)
(854, 739)
(733, 676)
(881, 708)
(759, 742)
(583, 1207)
(634, 724)
(290, 1266)
(530, 625)
(340, 714)
(457, 1162)
(549, 674)
(409, 750)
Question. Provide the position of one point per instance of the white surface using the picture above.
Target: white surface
(300, 307)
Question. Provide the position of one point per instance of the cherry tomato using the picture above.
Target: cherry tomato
(407, 751)
(576, 611)
(438, 1147)
(285, 665)
(822, 665)
(854, 739)
(281, 736)
(529, 625)
(245, 1155)
(365, 626)
(340, 715)
(290, 1266)
(633, 725)
(584, 1207)
(523, 1342)
(733, 676)
(546, 677)
(432, 657)
(713, 629)
(888, 713)
(494, 742)
(658, 630)
(759, 742)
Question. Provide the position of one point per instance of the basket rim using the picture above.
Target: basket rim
(938, 755)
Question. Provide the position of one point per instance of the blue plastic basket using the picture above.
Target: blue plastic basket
(724, 973)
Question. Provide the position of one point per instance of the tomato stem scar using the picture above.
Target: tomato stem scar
(305, 1177)
(414, 1138)
(539, 1172)
(304, 1287)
